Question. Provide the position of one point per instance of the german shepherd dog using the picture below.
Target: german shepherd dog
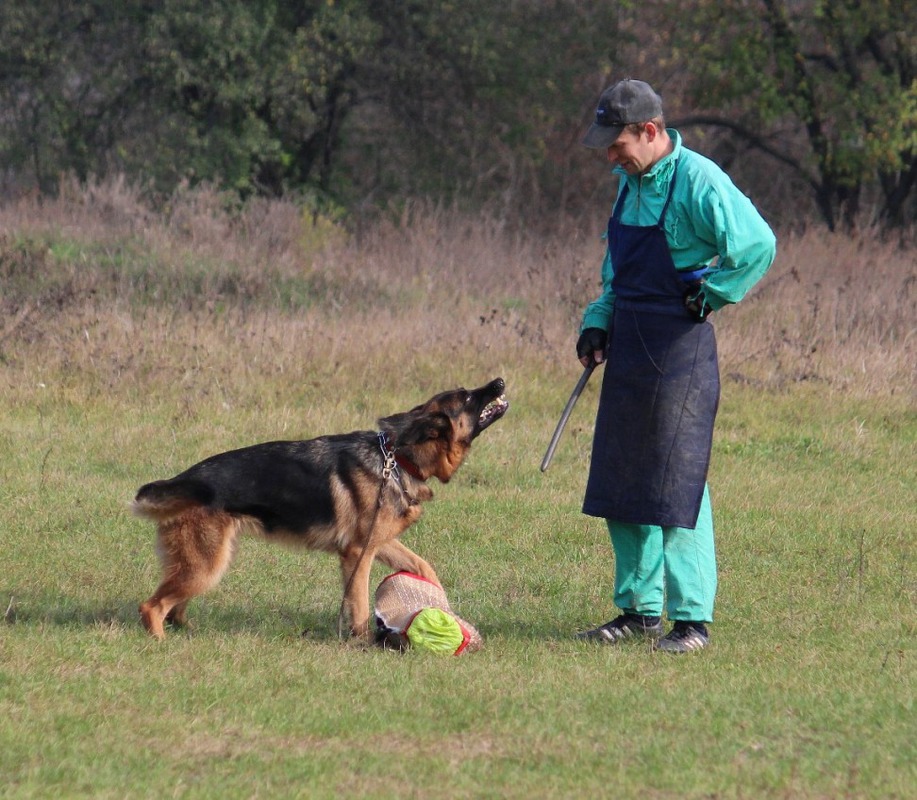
(352, 494)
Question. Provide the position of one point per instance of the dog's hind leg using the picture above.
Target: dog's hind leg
(196, 549)
(397, 556)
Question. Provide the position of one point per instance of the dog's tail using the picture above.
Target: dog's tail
(162, 500)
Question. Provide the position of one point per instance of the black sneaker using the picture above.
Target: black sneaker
(685, 637)
(627, 626)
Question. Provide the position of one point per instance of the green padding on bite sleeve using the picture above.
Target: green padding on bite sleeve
(435, 630)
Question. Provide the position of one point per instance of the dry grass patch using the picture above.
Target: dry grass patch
(98, 283)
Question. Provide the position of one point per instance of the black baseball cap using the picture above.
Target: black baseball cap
(626, 102)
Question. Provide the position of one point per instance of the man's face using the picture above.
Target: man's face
(633, 152)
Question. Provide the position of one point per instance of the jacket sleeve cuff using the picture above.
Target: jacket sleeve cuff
(714, 300)
(595, 319)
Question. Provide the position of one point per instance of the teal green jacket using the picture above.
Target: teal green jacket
(709, 223)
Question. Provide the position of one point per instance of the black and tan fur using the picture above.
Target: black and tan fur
(352, 494)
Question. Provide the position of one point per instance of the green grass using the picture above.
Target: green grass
(132, 346)
(807, 690)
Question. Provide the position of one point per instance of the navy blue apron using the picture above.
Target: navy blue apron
(660, 391)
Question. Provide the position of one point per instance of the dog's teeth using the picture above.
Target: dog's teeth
(493, 407)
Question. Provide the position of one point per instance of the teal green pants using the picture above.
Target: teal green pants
(667, 568)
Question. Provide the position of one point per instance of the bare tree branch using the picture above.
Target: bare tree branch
(753, 139)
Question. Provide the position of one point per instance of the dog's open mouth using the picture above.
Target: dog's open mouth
(492, 412)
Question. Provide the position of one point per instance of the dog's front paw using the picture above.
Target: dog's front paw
(360, 630)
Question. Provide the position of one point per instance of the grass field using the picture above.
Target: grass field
(133, 345)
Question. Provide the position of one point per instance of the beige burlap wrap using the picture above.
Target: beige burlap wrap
(419, 611)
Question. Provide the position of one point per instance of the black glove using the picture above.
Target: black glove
(696, 302)
(589, 341)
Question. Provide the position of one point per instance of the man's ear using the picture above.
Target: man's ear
(651, 130)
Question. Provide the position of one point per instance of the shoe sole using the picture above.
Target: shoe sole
(596, 637)
(681, 647)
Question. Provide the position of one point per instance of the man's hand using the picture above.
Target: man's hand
(696, 302)
(590, 347)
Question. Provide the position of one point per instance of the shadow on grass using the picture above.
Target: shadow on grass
(204, 617)
(539, 630)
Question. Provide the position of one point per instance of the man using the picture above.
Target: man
(683, 242)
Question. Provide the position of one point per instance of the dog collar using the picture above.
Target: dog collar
(393, 460)
(408, 466)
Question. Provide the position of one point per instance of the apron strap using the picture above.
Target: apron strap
(619, 203)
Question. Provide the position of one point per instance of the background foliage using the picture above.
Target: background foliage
(353, 104)
(825, 89)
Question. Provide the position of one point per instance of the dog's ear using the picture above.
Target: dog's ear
(436, 426)
(411, 428)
